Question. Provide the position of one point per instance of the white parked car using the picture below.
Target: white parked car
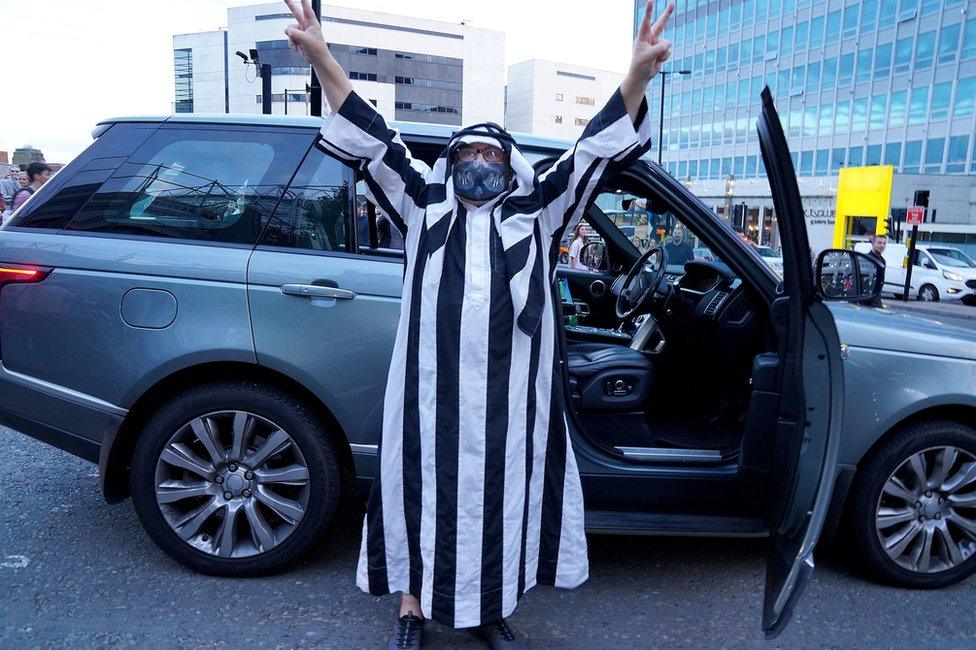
(771, 257)
(940, 272)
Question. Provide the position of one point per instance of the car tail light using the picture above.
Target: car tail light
(17, 273)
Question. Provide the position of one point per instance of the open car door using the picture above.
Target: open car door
(811, 406)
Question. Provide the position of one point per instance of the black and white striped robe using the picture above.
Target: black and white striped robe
(478, 495)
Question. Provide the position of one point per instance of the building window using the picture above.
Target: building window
(589, 101)
(903, 54)
(558, 119)
(581, 121)
(934, 151)
(949, 43)
(925, 50)
(879, 108)
(913, 156)
(864, 58)
(889, 11)
(370, 51)
(833, 27)
(965, 98)
(940, 101)
(855, 157)
(559, 97)
(837, 159)
(869, 14)
(893, 154)
(429, 108)
(846, 73)
(896, 116)
(916, 110)
(850, 22)
(362, 76)
(183, 69)
(969, 40)
(873, 155)
(958, 149)
(823, 157)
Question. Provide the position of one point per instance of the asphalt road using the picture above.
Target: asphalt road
(76, 572)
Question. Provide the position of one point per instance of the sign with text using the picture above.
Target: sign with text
(914, 215)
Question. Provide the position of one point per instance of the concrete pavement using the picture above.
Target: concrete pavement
(75, 572)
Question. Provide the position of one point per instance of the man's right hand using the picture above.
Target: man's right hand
(305, 35)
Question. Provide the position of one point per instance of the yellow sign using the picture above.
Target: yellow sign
(863, 194)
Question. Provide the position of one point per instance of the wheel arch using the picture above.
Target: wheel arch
(960, 413)
(116, 454)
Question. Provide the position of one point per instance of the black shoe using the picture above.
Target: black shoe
(501, 636)
(409, 633)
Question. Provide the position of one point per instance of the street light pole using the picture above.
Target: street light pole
(315, 90)
(660, 135)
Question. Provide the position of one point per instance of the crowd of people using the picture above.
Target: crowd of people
(18, 185)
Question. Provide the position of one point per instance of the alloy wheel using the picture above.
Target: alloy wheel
(926, 513)
(928, 294)
(232, 484)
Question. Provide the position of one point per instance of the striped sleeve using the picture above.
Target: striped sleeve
(395, 182)
(610, 143)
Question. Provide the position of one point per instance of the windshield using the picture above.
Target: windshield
(952, 257)
(766, 251)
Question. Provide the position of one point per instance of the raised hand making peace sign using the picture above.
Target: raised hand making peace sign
(305, 35)
(650, 50)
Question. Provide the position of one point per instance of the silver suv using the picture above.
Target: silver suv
(206, 307)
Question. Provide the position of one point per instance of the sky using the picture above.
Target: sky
(71, 63)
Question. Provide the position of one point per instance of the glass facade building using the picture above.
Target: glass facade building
(856, 82)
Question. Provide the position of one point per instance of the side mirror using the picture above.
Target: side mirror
(594, 255)
(847, 275)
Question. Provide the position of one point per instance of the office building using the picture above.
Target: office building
(555, 100)
(411, 69)
(869, 82)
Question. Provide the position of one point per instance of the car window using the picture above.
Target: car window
(314, 213)
(208, 184)
(74, 185)
(952, 257)
(375, 233)
(648, 229)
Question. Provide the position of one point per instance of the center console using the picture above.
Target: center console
(574, 311)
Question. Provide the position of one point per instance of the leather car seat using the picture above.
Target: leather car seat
(608, 376)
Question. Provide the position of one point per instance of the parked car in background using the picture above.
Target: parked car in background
(771, 257)
(197, 304)
(939, 273)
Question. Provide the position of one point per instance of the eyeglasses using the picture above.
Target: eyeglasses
(490, 154)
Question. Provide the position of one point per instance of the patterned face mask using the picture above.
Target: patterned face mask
(477, 180)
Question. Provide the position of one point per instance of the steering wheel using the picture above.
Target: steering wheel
(638, 286)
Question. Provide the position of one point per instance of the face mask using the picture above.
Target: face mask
(477, 180)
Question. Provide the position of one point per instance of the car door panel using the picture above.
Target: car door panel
(321, 314)
(811, 394)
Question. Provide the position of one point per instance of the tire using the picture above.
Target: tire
(893, 459)
(928, 293)
(260, 538)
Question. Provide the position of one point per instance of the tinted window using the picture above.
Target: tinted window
(216, 184)
(314, 212)
(73, 186)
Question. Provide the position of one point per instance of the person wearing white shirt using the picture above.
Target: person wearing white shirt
(576, 247)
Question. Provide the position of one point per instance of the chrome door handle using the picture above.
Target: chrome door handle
(316, 291)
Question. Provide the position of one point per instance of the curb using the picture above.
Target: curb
(945, 313)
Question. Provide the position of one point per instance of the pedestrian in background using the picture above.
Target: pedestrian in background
(878, 245)
(576, 247)
(9, 186)
(37, 174)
